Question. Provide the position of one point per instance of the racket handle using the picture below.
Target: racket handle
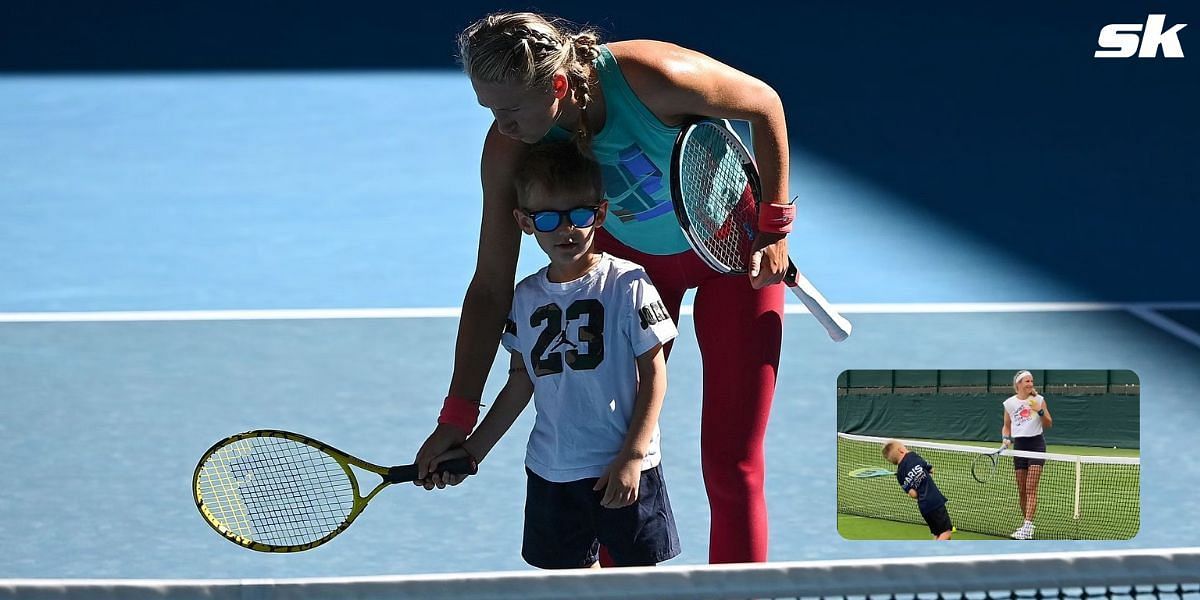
(408, 473)
(835, 324)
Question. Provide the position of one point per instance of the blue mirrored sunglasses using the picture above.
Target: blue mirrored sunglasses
(546, 221)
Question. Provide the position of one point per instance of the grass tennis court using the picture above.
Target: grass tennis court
(853, 527)
(1098, 499)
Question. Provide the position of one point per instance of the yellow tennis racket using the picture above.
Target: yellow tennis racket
(277, 491)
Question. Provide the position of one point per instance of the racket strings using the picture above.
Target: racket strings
(276, 491)
(718, 197)
(294, 500)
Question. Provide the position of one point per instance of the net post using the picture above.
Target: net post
(1078, 481)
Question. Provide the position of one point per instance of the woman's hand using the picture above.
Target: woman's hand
(443, 438)
(768, 260)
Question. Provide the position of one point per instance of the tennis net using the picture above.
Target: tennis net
(1078, 497)
(1172, 573)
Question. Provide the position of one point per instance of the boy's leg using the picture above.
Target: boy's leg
(939, 523)
(559, 533)
(672, 276)
(642, 534)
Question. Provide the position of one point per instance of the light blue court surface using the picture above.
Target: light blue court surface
(215, 192)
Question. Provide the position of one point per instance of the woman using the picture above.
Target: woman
(623, 103)
(1026, 416)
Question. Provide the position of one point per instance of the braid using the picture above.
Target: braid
(584, 52)
(586, 45)
(541, 41)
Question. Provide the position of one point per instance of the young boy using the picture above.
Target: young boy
(916, 479)
(586, 336)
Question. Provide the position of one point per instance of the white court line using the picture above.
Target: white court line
(453, 312)
(1143, 310)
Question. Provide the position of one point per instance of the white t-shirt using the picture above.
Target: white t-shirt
(580, 341)
(1025, 420)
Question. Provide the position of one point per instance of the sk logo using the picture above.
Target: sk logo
(1123, 39)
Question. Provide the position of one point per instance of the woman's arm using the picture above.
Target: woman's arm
(1006, 431)
(675, 83)
(1044, 414)
(489, 295)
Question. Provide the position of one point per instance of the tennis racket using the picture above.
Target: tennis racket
(276, 491)
(984, 466)
(869, 472)
(716, 191)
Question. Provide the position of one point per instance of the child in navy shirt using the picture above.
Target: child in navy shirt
(916, 479)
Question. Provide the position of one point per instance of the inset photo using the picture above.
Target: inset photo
(1004, 454)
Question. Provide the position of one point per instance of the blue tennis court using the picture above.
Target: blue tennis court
(189, 256)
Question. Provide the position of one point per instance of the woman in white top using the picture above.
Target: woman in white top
(1026, 416)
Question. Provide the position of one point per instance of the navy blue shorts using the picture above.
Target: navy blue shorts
(565, 524)
(938, 520)
(1036, 443)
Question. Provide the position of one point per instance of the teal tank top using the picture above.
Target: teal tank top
(634, 152)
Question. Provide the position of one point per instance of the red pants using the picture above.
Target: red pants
(739, 330)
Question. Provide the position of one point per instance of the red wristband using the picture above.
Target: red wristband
(776, 218)
(459, 412)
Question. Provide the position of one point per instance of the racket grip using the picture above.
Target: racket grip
(835, 324)
(459, 466)
(407, 473)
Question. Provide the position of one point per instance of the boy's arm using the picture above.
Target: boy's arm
(620, 481)
(504, 412)
(652, 387)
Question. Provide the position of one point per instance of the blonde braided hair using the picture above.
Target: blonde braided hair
(527, 49)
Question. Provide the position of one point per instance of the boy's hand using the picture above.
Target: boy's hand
(443, 438)
(442, 479)
(620, 482)
(912, 493)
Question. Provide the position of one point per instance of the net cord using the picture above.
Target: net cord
(946, 574)
(1073, 458)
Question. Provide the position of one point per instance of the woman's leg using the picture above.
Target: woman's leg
(1022, 477)
(1029, 499)
(739, 331)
